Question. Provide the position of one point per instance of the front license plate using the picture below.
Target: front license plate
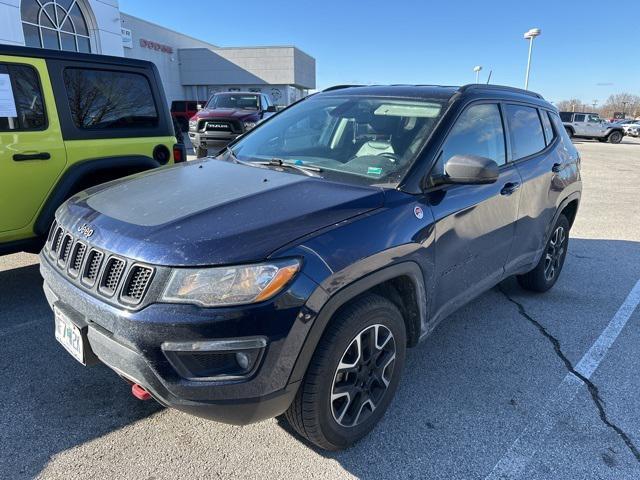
(69, 336)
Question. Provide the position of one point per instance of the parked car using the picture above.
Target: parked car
(632, 129)
(183, 110)
(590, 125)
(302, 262)
(69, 121)
(225, 117)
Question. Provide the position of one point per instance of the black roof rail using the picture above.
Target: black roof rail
(504, 88)
(339, 87)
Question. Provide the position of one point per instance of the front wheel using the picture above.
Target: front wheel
(353, 374)
(547, 271)
(615, 137)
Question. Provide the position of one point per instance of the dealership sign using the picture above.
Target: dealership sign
(127, 38)
(151, 45)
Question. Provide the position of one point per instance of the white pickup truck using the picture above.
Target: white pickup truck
(590, 125)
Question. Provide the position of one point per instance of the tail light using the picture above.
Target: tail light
(179, 153)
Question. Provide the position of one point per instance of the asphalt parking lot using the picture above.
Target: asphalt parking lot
(514, 385)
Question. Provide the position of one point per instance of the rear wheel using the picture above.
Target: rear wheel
(546, 273)
(615, 137)
(353, 374)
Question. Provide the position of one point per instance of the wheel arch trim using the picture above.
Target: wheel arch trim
(327, 305)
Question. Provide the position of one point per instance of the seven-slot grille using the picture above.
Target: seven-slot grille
(98, 270)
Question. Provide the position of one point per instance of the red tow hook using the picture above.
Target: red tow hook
(139, 392)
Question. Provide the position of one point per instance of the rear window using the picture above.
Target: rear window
(525, 131)
(21, 105)
(108, 100)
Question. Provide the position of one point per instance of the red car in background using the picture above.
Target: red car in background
(183, 110)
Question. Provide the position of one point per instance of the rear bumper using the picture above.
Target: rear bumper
(130, 343)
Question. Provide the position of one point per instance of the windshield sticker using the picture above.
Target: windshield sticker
(374, 171)
(7, 102)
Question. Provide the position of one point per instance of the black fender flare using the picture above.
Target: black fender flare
(76, 173)
(566, 201)
(327, 305)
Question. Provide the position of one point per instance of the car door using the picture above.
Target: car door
(32, 152)
(580, 124)
(541, 150)
(474, 223)
(594, 126)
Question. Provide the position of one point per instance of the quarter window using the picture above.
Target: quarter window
(525, 131)
(106, 100)
(546, 124)
(21, 105)
(479, 132)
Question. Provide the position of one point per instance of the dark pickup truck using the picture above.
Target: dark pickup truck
(225, 117)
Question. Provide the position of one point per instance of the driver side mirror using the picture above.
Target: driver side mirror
(470, 170)
(271, 109)
(198, 107)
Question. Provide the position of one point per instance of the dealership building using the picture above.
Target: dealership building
(190, 69)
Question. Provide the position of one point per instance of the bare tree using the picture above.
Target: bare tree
(622, 102)
(573, 105)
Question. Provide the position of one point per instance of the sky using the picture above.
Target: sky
(587, 49)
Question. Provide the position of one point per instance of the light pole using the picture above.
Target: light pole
(624, 106)
(530, 35)
(595, 102)
(477, 69)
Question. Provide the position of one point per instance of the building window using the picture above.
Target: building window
(56, 24)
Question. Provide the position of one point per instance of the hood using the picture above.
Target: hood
(227, 113)
(211, 212)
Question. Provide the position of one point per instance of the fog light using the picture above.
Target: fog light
(243, 360)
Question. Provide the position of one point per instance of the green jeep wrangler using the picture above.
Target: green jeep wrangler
(69, 121)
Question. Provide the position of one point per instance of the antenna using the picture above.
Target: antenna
(489, 77)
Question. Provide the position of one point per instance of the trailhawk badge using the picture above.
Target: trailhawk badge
(417, 211)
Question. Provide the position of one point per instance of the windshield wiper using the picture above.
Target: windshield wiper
(279, 162)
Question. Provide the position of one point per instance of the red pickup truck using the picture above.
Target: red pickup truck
(183, 110)
(226, 116)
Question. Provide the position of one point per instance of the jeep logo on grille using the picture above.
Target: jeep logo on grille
(86, 230)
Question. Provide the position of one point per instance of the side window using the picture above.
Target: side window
(525, 131)
(107, 100)
(21, 104)
(578, 117)
(546, 124)
(478, 131)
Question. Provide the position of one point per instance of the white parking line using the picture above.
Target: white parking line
(513, 463)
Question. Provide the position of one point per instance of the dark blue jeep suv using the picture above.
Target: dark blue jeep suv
(290, 273)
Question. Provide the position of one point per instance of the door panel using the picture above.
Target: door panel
(32, 153)
(475, 225)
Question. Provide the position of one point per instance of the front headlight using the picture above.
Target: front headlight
(219, 286)
(193, 124)
(249, 125)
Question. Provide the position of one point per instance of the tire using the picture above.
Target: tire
(569, 132)
(335, 424)
(615, 137)
(546, 272)
(202, 152)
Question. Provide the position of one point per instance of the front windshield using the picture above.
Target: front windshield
(361, 139)
(234, 101)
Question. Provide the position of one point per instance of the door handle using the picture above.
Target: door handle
(556, 167)
(21, 157)
(509, 188)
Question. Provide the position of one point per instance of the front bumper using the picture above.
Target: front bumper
(212, 139)
(130, 343)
